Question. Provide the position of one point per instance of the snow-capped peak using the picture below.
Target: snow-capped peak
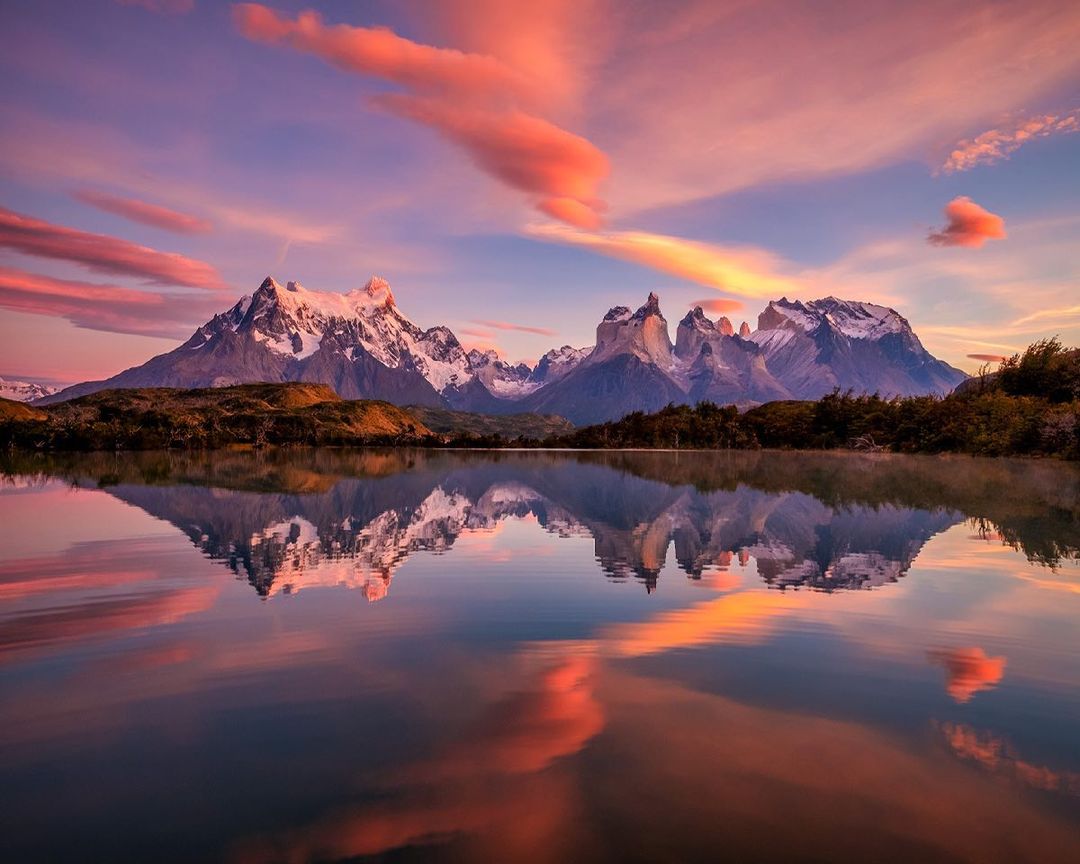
(855, 319)
(24, 391)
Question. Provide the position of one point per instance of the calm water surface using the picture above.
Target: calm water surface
(413, 656)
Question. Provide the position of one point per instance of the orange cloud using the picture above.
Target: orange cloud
(102, 253)
(144, 213)
(996, 144)
(487, 780)
(522, 328)
(744, 618)
(968, 225)
(988, 358)
(718, 305)
(968, 671)
(738, 270)
(107, 307)
(471, 99)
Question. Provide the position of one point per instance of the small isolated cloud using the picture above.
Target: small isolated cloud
(163, 7)
(967, 224)
(987, 358)
(473, 100)
(745, 271)
(968, 671)
(717, 305)
(107, 307)
(994, 145)
(521, 328)
(143, 212)
(101, 253)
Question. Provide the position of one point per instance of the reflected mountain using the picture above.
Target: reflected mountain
(293, 521)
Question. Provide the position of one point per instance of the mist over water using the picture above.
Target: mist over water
(419, 655)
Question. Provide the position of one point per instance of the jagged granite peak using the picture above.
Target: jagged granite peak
(643, 334)
(694, 330)
(723, 324)
(651, 307)
(744, 329)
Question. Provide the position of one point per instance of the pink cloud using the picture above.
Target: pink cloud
(143, 212)
(987, 358)
(471, 99)
(486, 335)
(523, 151)
(107, 307)
(520, 328)
(968, 225)
(102, 253)
(381, 52)
(996, 144)
(720, 305)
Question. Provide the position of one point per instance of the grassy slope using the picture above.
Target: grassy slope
(12, 410)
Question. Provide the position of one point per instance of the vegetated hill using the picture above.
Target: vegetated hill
(13, 410)
(254, 414)
(509, 426)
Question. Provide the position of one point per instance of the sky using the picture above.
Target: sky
(514, 170)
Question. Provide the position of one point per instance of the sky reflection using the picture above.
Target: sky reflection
(816, 655)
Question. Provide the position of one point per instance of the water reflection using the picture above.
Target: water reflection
(354, 520)
(836, 657)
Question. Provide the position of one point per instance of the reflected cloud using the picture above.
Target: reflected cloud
(489, 780)
(997, 755)
(968, 671)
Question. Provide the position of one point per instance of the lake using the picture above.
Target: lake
(539, 657)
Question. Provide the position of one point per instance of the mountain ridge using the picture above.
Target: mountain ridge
(363, 346)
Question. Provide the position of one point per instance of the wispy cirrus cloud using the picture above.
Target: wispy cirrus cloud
(476, 101)
(110, 308)
(520, 328)
(102, 253)
(993, 145)
(144, 212)
(967, 224)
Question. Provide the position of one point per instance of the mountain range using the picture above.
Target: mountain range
(363, 346)
(23, 391)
